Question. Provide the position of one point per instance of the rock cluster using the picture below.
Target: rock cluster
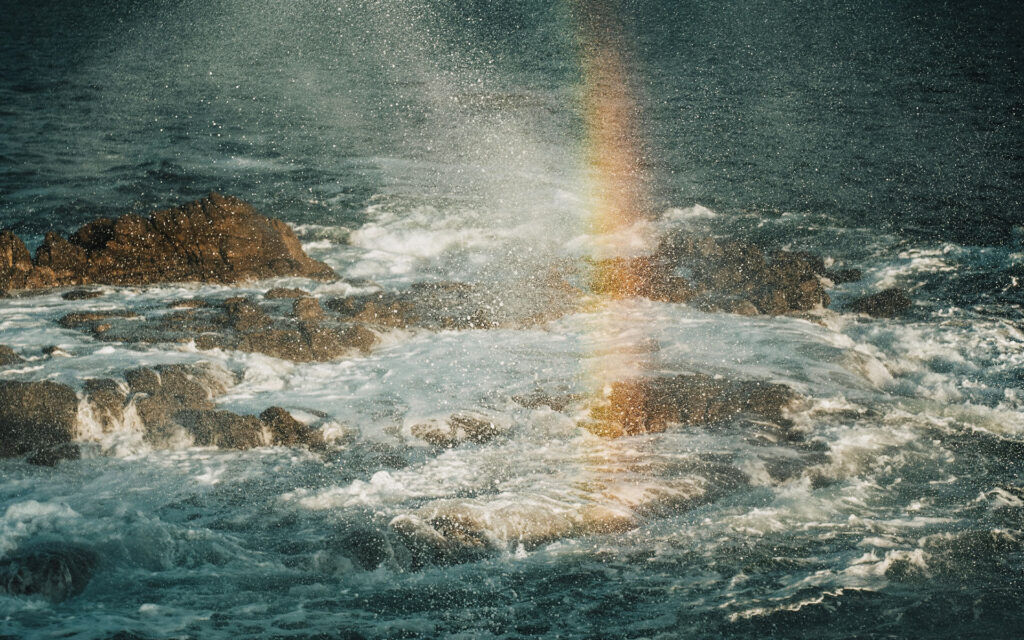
(173, 403)
(215, 239)
(296, 329)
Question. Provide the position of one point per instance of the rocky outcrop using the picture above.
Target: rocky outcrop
(216, 239)
(885, 304)
(35, 415)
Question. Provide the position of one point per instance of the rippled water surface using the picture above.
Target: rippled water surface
(446, 141)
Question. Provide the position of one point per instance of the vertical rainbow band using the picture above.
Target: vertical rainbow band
(617, 202)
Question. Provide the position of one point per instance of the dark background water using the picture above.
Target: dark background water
(901, 115)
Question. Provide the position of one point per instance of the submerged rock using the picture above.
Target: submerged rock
(215, 239)
(56, 571)
(35, 415)
(885, 304)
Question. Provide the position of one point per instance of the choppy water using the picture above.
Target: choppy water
(423, 141)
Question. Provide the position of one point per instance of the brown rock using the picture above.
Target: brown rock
(280, 293)
(15, 262)
(308, 310)
(76, 320)
(289, 432)
(35, 415)
(82, 294)
(216, 239)
(9, 356)
(244, 315)
(223, 429)
(840, 276)
(650, 405)
(886, 304)
(107, 400)
(68, 261)
(289, 344)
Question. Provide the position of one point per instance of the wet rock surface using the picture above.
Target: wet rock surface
(651, 405)
(215, 239)
(35, 415)
(885, 304)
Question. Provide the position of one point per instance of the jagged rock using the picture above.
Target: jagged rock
(650, 405)
(289, 432)
(15, 262)
(170, 389)
(224, 429)
(308, 310)
(56, 571)
(216, 239)
(82, 294)
(50, 456)
(9, 356)
(280, 293)
(35, 415)
(886, 304)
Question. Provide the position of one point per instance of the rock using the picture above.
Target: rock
(738, 277)
(289, 432)
(289, 344)
(50, 456)
(650, 405)
(107, 399)
(15, 262)
(82, 294)
(216, 239)
(244, 315)
(308, 310)
(56, 571)
(35, 415)
(224, 429)
(9, 356)
(170, 389)
(189, 303)
(76, 320)
(460, 427)
(841, 276)
(280, 293)
(886, 304)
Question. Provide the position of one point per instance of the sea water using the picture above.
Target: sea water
(427, 141)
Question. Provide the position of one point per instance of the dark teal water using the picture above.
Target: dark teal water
(904, 116)
(423, 140)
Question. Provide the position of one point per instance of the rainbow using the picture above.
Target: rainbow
(617, 202)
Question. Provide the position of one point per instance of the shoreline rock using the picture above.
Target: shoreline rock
(216, 239)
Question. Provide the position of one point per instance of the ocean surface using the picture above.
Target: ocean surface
(423, 141)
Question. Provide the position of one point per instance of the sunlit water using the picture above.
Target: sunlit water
(416, 141)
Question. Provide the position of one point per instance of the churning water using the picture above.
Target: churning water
(415, 141)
